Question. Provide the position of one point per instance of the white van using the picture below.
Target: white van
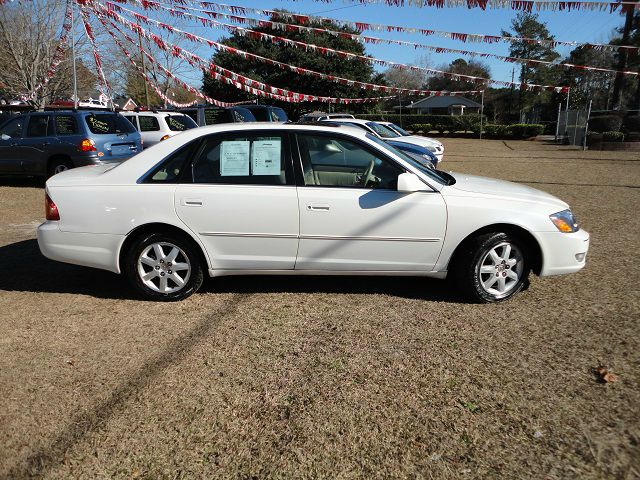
(155, 126)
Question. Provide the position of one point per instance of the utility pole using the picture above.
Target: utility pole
(513, 71)
(619, 82)
(73, 56)
(144, 70)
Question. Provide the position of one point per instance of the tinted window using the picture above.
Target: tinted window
(13, 128)
(132, 119)
(260, 114)
(39, 126)
(171, 170)
(336, 162)
(278, 115)
(178, 123)
(148, 123)
(108, 124)
(213, 116)
(246, 159)
(242, 115)
(381, 130)
(66, 125)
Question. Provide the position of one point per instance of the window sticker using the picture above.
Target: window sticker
(97, 126)
(265, 157)
(234, 158)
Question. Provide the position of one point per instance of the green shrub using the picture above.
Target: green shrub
(497, 131)
(612, 136)
(420, 127)
(442, 123)
(605, 123)
(526, 130)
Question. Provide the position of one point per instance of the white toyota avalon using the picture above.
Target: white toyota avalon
(302, 199)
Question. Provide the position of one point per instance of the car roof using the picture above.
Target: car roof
(359, 121)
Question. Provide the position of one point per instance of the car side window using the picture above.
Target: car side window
(13, 129)
(336, 162)
(66, 125)
(39, 126)
(243, 159)
(132, 119)
(171, 170)
(148, 123)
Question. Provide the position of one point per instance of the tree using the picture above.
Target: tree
(527, 25)
(29, 36)
(332, 65)
(462, 67)
(402, 78)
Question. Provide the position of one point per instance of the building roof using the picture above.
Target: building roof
(443, 102)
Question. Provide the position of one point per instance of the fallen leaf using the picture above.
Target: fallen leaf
(604, 374)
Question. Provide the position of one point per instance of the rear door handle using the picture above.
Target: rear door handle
(191, 202)
(316, 207)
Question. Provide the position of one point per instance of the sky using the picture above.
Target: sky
(569, 26)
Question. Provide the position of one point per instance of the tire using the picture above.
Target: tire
(492, 267)
(150, 266)
(57, 165)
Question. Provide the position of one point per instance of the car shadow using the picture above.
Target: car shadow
(21, 182)
(32, 272)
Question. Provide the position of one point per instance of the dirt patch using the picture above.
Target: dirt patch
(331, 377)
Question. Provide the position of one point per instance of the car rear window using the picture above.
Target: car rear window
(108, 124)
(179, 123)
(279, 115)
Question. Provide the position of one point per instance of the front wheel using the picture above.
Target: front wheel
(492, 267)
(163, 267)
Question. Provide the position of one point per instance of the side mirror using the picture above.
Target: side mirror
(409, 182)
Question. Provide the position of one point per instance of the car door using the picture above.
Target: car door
(352, 218)
(242, 201)
(10, 149)
(37, 144)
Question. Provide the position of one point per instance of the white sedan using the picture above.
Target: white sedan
(386, 132)
(302, 199)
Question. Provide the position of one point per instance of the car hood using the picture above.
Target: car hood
(416, 140)
(502, 188)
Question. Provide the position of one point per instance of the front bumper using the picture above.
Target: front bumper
(563, 252)
(86, 249)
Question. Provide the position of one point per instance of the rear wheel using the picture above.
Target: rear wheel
(492, 267)
(163, 267)
(58, 165)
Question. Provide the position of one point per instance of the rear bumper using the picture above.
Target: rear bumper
(86, 249)
(563, 252)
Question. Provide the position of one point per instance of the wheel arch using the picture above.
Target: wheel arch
(531, 243)
(168, 229)
(58, 156)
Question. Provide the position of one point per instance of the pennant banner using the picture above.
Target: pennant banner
(366, 39)
(241, 82)
(322, 50)
(96, 54)
(363, 26)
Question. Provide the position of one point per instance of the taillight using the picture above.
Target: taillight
(164, 137)
(87, 145)
(50, 208)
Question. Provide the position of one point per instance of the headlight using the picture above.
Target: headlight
(564, 221)
(431, 149)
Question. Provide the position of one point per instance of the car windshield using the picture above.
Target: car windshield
(400, 130)
(440, 177)
(108, 124)
(178, 123)
(381, 130)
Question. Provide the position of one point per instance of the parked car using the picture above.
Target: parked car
(319, 116)
(209, 115)
(385, 133)
(438, 147)
(46, 143)
(267, 113)
(218, 200)
(155, 126)
(418, 153)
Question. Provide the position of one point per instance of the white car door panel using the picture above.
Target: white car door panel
(243, 226)
(358, 229)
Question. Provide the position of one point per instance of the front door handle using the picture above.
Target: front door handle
(316, 207)
(191, 202)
